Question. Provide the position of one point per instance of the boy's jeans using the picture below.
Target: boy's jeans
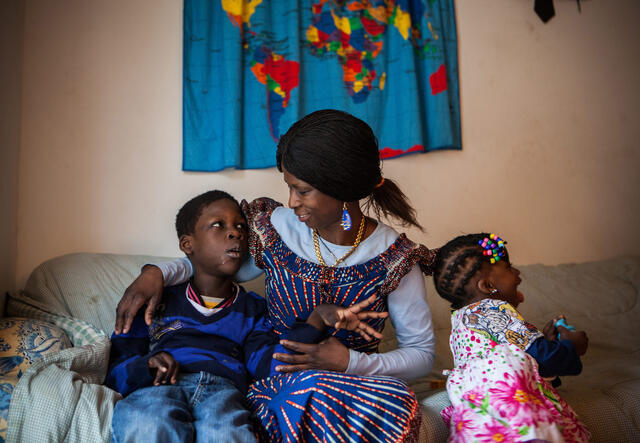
(199, 407)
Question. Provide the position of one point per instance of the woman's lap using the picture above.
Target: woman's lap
(313, 405)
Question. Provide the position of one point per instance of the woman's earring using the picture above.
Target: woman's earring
(494, 292)
(346, 218)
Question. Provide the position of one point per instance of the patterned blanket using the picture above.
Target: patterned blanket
(60, 397)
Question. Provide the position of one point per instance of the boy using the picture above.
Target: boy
(185, 376)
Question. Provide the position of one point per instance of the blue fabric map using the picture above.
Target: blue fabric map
(254, 67)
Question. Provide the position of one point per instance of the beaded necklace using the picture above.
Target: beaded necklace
(316, 245)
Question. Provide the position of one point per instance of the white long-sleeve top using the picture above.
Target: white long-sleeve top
(408, 309)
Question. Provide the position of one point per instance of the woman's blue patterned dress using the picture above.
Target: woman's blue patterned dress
(324, 405)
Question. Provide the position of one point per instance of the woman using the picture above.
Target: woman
(330, 163)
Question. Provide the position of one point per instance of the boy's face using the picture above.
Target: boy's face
(218, 245)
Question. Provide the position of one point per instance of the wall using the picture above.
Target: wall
(11, 30)
(550, 133)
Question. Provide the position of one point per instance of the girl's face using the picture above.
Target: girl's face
(505, 279)
(315, 209)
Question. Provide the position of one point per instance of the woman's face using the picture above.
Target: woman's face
(315, 209)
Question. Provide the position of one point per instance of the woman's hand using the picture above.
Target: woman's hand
(147, 288)
(351, 318)
(329, 355)
(166, 368)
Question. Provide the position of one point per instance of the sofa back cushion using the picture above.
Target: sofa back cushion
(86, 286)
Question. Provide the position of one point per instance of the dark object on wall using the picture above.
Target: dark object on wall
(544, 9)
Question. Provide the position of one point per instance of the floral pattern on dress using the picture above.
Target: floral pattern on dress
(496, 391)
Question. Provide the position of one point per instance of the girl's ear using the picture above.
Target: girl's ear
(485, 285)
(185, 244)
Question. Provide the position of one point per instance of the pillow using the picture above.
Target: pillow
(22, 341)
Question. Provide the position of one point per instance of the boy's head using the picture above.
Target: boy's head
(212, 232)
(465, 271)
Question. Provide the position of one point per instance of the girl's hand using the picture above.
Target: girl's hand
(147, 288)
(578, 338)
(351, 318)
(329, 355)
(166, 368)
(550, 331)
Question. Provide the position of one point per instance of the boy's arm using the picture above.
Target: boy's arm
(129, 357)
(262, 343)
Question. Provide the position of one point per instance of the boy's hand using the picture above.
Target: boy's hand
(146, 288)
(166, 368)
(351, 318)
(578, 338)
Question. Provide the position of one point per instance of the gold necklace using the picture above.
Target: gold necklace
(316, 245)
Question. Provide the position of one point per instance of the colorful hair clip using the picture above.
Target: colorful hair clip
(493, 247)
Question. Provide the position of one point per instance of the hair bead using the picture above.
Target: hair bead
(493, 247)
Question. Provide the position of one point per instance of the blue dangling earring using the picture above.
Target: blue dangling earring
(346, 218)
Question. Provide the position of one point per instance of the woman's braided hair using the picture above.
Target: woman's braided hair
(456, 263)
(337, 153)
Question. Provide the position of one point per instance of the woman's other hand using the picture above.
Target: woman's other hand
(352, 318)
(328, 355)
(147, 288)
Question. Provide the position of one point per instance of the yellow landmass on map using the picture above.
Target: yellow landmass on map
(312, 34)
(342, 23)
(241, 9)
(402, 22)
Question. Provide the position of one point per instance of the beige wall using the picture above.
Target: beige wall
(550, 131)
(11, 30)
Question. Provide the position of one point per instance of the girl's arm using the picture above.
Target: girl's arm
(555, 357)
(411, 318)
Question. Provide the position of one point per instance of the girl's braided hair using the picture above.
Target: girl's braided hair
(456, 262)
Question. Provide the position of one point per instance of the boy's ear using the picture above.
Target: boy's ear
(185, 244)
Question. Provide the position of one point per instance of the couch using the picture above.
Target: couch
(59, 396)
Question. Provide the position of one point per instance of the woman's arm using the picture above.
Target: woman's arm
(147, 287)
(175, 272)
(411, 318)
(180, 270)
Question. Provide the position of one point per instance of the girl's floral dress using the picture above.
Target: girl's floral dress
(496, 392)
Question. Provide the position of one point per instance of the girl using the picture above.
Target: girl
(496, 388)
(323, 249)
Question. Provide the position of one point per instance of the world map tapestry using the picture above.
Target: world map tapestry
(254, 67)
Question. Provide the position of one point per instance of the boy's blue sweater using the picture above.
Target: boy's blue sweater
(236, 343)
